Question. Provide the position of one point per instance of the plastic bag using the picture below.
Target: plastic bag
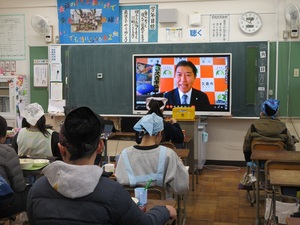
(248, 179)
(283, 210)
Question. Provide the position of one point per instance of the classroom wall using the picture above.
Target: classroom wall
(225, 134)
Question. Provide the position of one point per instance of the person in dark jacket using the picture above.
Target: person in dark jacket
(11, 171)
(172, 130)
(184, 93)
(75, 191)
(268, 128)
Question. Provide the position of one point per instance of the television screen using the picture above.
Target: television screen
(209, 90)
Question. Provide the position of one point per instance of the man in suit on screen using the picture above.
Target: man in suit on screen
(185, 94)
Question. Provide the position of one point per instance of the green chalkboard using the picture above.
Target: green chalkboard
(113, 93)
(38, 94)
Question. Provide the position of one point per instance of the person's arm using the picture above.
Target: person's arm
(14, 171)
(173, 131)
(130, 213)
(290, 144)
(176, 175)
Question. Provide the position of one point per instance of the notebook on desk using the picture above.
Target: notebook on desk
(108, 128)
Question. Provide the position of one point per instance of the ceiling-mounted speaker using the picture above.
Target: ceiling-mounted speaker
(167, 16)
(195, 19)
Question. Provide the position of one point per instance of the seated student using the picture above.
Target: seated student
(268, 128)
(11, 171)
(172, 130)
(149, 160)
(34, 139)
(76, 191)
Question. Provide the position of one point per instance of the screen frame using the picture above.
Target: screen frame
(228, 112)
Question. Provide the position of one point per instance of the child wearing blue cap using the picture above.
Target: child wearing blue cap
(149, 160)
(268, 128)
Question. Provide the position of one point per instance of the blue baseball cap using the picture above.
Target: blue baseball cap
(272, 104)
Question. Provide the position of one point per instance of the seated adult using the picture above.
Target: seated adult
(76, 191)
(172, 130)
(11, 171)
(149, 160)
(185, 94)
(34, 139)
(268, 128)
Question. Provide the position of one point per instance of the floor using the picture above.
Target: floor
(217, 200)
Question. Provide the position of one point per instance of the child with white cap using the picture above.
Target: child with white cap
(34, 139)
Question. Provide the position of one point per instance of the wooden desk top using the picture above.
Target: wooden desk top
(285, 177)
(292, 221)
(123, 134)
(275, 155)
(182, 152)
(187, 139)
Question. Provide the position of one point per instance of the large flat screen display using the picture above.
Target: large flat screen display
(209, 90)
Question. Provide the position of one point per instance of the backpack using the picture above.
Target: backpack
(5, 189)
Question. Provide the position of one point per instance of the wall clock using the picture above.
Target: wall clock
(250, 22)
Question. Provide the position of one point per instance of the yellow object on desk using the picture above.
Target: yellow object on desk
(183, 113)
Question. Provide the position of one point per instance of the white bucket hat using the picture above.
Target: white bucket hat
(32, 113)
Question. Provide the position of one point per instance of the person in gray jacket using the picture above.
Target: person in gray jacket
(76, 191)
(11, 171)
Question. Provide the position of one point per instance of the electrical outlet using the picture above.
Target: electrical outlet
(296, 72)
(285, 34)
(294, 32)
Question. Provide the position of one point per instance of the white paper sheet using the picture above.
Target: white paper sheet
(56, 106)
(56, 90)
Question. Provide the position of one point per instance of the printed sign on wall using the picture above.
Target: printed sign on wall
(88, 21)
(139, 23)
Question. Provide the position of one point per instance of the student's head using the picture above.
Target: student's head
(33, 115)
(156, 105)
(80, 133)
(270, 107)
(3, 129)
(185, 75)
(150, 124)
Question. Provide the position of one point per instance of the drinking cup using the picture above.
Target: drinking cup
(141, 194)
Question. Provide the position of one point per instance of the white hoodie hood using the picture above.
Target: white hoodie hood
(73, 181)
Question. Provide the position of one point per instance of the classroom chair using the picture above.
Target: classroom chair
(282, 175)
(259, 166)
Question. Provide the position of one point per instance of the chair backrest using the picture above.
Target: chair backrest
(168, 144)
(267, 145)
(155, 192)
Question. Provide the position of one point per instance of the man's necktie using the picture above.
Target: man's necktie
(183, 99)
